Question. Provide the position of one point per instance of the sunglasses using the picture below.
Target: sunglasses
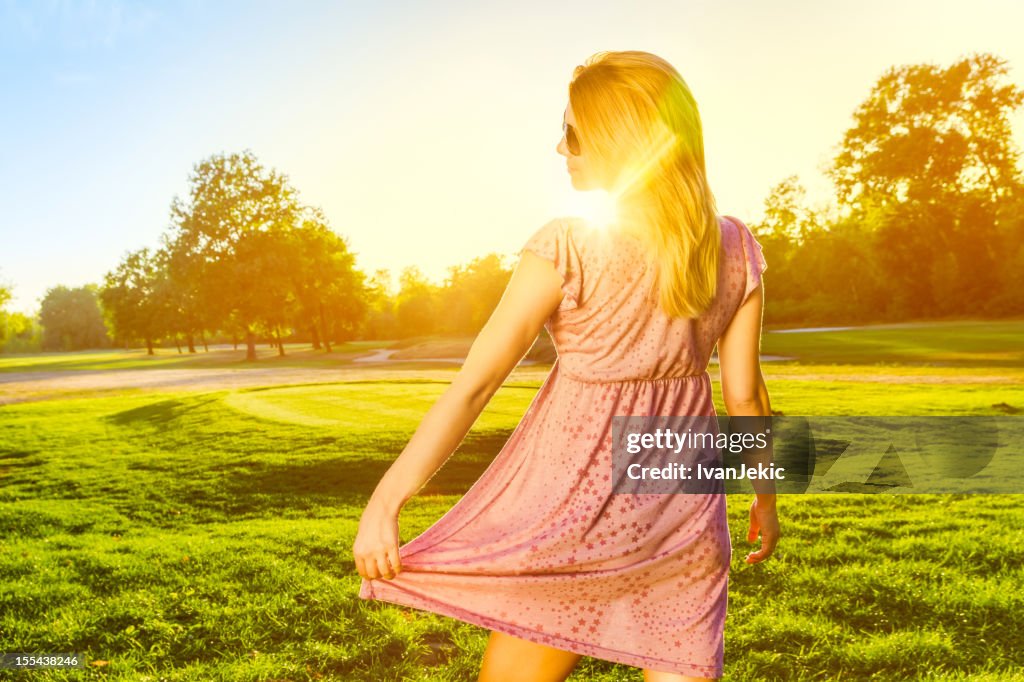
(571, 140)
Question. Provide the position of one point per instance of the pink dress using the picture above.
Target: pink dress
(540, 547)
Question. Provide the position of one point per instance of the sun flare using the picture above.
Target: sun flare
(597, 207)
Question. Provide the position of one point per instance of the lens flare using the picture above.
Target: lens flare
(596, 207)
(637, 173)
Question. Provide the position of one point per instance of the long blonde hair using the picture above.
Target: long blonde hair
(640, 128)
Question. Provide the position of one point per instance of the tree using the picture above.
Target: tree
(788, 230)
(196, 307)
(20, 333)
(417, 304)
(261, 268)
(129, 297)
(72, 319)
(1007, 298)
(930, 134)
(787, 217)
(381, 321)
(325, 291)
(924, 171)
(329, 292)
(471, 294)
(5, 297)
(231, 232)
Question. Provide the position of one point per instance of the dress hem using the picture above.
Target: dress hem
(391, 596)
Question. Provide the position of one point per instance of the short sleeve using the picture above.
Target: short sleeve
(752, 255)
(555, 242)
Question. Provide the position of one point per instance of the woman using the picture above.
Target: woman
(540, 550)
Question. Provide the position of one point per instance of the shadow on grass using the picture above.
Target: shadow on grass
(11, 458)
(354, 476)
(157, 414)
(369, 662)
(250, 487)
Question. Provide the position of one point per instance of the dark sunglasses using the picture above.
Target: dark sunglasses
(571, 140)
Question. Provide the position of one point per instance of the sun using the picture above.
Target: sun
(597, 207)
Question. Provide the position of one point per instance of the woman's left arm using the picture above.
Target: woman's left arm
(532, 295)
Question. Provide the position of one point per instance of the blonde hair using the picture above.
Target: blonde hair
(640, 128)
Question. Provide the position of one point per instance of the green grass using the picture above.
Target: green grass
(981, 343)
(206, 536)
(832, 397)
(296, 355)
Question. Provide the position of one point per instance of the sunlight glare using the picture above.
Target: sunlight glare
(597, 207)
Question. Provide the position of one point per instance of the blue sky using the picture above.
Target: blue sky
(425, 130)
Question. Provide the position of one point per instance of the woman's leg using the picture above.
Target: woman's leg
(658, 676)
(511, 659)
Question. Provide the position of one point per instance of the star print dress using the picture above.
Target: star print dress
(540, 547)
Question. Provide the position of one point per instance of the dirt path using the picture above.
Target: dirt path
(17, 387)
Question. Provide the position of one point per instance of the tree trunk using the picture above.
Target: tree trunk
(277, 337)
(202, 337)
(177, 342)
(316, 336)
(250, 343)
(234, 340)
(191, 343)
(323, 325)
(149, 346)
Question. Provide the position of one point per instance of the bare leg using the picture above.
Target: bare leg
(512, 659)
(658, 676)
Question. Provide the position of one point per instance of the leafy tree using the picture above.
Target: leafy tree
(786, 227)
(417, 306)
(196, 306)
(129, 297)
(927, 133)
(262, 265)
(381, 322)
(72, 319)
(330, 292)
(787, 217)
(20, 333)
(471, 293)
(5, 297)
(1006, 299)
(924, 170)
(231, 230)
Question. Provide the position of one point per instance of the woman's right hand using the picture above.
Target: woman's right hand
(376, 545)
(764, 521)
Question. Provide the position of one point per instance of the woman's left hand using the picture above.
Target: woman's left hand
(376, 546)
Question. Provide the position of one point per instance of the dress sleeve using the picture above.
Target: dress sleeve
(753, 256)
(555, 242)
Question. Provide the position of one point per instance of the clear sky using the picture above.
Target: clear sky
(425, 130)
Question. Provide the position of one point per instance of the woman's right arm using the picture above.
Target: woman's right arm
(745, 394)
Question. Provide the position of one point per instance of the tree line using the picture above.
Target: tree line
(928, 218)
(926, 222)
(245, 260)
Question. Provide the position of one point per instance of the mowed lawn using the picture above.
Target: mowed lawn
(205, 534)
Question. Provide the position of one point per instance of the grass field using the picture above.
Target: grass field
(197, 531)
